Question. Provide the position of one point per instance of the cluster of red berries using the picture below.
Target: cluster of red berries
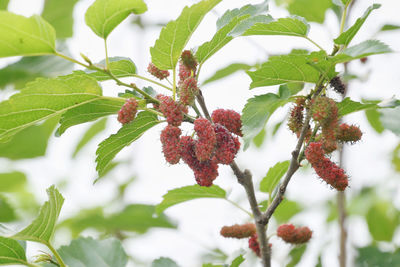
(156, 72)
(294, 235)
(247, 230)
(128, 111)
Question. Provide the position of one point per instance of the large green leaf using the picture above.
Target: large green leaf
(119, 66)
(11, 252)
(373, 117)
(137, 218)
(7, 213)
(29, 68)
(45, 98)
(382, 219)
(292, 26)
(372, 256)
(273, 176)
(59, 14)
(292, 68)
(237, 261)
(179, 195)
(21, 36)
(226, 71)
(173, 38)
(30, 142)
(364, 49)
(295, 255)
(104, 15)
(164, 262)
(88, 112)
(12, 181)
(124, 137)
(258, 110)
(88, 252)
(94, 129)
(4, 4)
(346, 37)
(42, 228)
(228, 22)
(347, 106)
(311, 10)
(390, 119)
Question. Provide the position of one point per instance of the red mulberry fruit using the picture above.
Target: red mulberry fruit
(171, 144)
(290, 234)
(295, 121)
(254, 245)
(338, 85)
(324, 110)
(184, 72)
(207, 139)
(188, 60)
(239, 231)
(188, 90)
(349, 133)
(228, 118)
(156, 72)
(128, 111)
(227, 145)
(173, 111)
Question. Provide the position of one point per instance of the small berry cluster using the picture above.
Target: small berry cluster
(247, 230)
(156, 72)
(325, 168)
(128, 111)
(296, 118)
(294, 235)
(188, 88)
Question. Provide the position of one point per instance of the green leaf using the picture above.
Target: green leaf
(258, 110)
(286, 210)
(30, 142)
(7, 213)
(59, 14)
(347, 106)
(295, 255)
(11, 252)
(273, 176)
(389, 27)
(382, 219)
(88, 252)
(227, 23)
(4, 4)
(173, 38)
(364, 49)
(182, 194)
(124, 137)
(93, 130)
(292, 26)
(396, 158)
(292, 68)
(237, 261)
(373, 117)
(104, 15)
(164, 262)
(42, 228)
(226, 71)
(89, 112)
(45, 98)
(119, 66)
(259, 139)
(346, 37)
(311, 10)
(372, 256)
(137, 218)
(21, 36)
(29, 68)
(390, 119)
(12, 181)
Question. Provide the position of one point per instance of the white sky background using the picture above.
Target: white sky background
(367, 162)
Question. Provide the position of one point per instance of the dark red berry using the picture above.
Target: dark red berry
(290, 234)
(338, 85)
(128, 111)
(254, 245)
(227, 145)
(207, 139)
(170, 140)
(173, 111)
(239, 231)
(228, 118)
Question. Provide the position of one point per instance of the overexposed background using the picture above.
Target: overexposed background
(367, 162)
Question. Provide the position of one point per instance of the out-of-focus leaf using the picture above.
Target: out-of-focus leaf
(89, 252)
(361, 50)
(311, 10)
(396, 158)
(286, 210)
(226, 71)
(389, 27)
(259, 139)
(382, 219)
(12, 181)
(237, 261)
(93, 130)
(372, 256)
(183, 194)
(274, 174)
(390, 119)
(373, 117)
(11, 252)
(164, 262)
(347, 106)
(4, 4)
(59, 14)
(7, 213)
(295, 255)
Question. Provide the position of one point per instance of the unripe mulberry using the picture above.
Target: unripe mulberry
(184, 72)
(329, 143)
(290, 234)
(171, 144)
(173, 111)
(188, 60)
(207, 139)
(338, 85)
(325, 168)
(156, 72)
(239, 231)
(295, 121)
(348, 133)
(188, 90)
(228, 118)
(128, 111)
(254, 245)
(227, 145)
(324, 110)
